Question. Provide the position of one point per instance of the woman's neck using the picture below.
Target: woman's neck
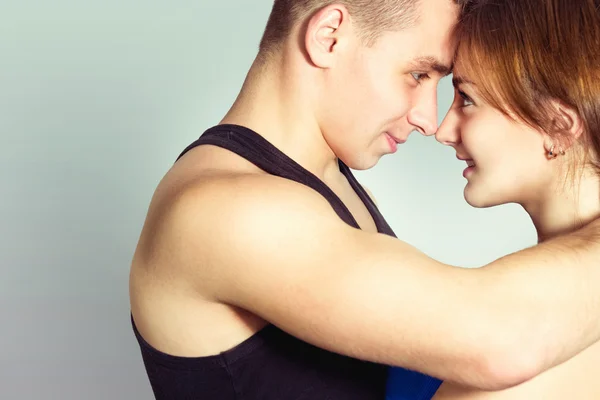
(566, 208)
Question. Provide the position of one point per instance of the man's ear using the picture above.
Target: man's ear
(325, 34)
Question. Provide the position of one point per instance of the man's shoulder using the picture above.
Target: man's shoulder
(243, 192)
(194, 228)
(217, 202)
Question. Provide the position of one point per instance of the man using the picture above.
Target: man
(265, 271)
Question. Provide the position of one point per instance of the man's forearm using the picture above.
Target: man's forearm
(551, 293)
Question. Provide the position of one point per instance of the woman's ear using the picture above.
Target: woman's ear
(565, 130)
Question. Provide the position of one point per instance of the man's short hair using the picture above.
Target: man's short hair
(373, 17)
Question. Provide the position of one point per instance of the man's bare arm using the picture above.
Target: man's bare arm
(558, 282)
(277, 249)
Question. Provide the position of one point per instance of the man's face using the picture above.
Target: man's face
(376, 96)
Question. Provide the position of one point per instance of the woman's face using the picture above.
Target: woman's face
(506, 160)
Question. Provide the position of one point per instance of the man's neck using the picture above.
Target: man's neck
(277, 101)
(568, 207)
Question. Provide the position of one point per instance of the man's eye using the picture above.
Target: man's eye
(419, 76)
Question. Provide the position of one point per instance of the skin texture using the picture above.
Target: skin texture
(511, 165)
(554, 206)
(227, 246)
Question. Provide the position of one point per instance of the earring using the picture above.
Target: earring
(551, 153)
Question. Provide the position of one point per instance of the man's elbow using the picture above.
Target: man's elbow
(504, 369)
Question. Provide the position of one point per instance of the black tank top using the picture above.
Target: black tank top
(270, 365)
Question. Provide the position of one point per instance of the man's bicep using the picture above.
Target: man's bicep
(368, 296)
(293, 262)
(284, 262)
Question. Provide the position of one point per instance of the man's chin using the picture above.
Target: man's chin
(363, 163)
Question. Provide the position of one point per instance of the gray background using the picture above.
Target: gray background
(96, 101)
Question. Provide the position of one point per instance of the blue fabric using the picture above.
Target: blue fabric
(404, 384)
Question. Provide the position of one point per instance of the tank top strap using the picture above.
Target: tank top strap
(256, 149)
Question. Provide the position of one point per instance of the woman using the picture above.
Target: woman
(526, 119)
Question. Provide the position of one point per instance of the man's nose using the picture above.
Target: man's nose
(424, 115)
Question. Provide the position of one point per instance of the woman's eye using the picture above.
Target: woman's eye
(466, 100)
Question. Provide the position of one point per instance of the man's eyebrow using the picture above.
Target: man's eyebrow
(432, 63)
